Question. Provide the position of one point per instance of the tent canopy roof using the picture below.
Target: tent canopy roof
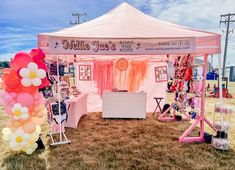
(125, 21)
(128, 24)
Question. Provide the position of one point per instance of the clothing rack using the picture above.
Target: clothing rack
(62, 137)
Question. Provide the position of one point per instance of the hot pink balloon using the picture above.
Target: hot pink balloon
(37, 96)
(25, 99)
(20, 60)
(13, 95)
(8, 98)
(37, 54)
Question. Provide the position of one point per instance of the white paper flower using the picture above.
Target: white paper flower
(18, 139)
(19, 112)
(32, 75)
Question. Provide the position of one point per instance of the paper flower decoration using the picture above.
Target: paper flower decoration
(32, 75)
(18, 139)
(20, 112)
(30, 148)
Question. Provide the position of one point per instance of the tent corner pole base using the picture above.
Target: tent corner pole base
(184, 139)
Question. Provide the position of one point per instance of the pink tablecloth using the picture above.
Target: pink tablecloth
(78, 108)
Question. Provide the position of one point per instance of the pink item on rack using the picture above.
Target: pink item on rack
(103, 75)
(188, 74)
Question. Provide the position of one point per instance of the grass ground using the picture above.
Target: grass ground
(125, 144)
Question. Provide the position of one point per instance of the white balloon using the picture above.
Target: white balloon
(6, 134)
(5, 138)
(25, 110)
(25, 116)
(36, 82)
(38, 129)
(31, 148)
(6, 131)
(16, 117)
(29, 151)
(26, 82)
(24, 72)
(41, 73)
(34, 137)
(32, 66)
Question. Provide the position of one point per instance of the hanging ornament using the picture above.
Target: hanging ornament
(122, 64)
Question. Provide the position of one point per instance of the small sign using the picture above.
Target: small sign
(85, 72)
(161, 74)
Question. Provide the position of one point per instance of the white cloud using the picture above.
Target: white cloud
(200, 14)
(8, 56)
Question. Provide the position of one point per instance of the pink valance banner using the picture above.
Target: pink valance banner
(67, 45)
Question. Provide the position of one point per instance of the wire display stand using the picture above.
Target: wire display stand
(62, 137)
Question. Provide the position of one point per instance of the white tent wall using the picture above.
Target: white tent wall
(149, 85)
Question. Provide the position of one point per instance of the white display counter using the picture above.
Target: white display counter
(124, 105)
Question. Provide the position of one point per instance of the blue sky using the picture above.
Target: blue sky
(22, 20)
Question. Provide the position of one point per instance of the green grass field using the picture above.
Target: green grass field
(125, 144)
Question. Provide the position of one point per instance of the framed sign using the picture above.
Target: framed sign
(161, 73)
(85, 72)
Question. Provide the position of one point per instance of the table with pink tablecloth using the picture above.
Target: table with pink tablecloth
(77, 108)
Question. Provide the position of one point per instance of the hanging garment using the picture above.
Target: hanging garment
(47, 91)
(103, 75)
(53, 69)
(136, 74)
(67, 80)
(63, 115)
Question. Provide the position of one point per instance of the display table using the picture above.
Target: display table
(77, 108)
(124, 105)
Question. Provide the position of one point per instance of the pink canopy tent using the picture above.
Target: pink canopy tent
(126, 31)
(126, 23)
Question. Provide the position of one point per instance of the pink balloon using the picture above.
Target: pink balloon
(13, 95)
(29, 127)
(37, 54)
(37, 96)
(8, 110)
(25, 99)
(36, 103)
(36, 109)
(20, 60)
(8, 98)
(2, 93)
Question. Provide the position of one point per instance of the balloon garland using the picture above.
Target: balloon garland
(21, 100)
